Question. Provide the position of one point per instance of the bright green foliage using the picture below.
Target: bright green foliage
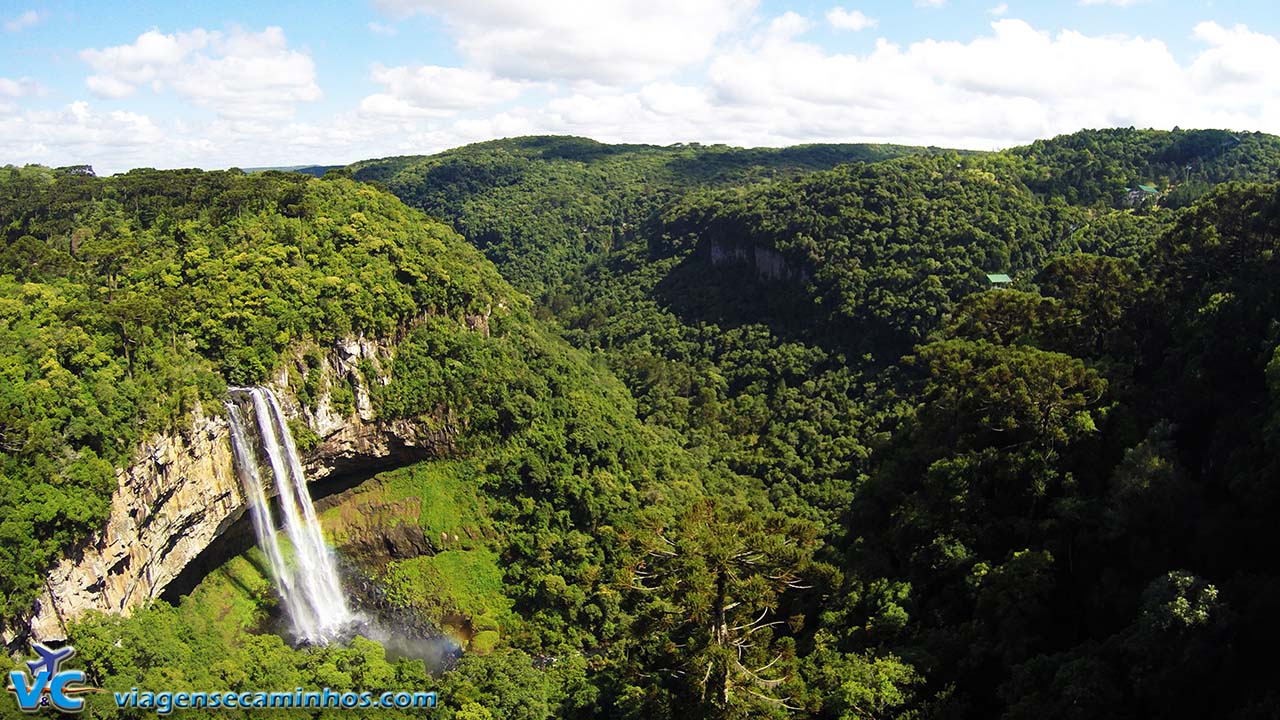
(126, 301)
(448, 495)
(860, 686)
(450, 583)
(499, 685)
(210, 642)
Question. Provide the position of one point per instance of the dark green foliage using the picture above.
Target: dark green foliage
(1010, 496)
(1061, 564)
(1095, 166)
(883, 249)
(539, 205)
(705, 586)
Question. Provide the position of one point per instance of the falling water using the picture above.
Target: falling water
(310, 589)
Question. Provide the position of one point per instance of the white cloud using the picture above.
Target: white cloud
(1117, 3)
(22, 22)
(619, 43)
(430, 90)
(378, 28)
(672, 100)
(236, 74)
(1238, 61)
(11, 89)
(76, 133)
(108, 86)
(153, 55)
(1012, 85)
(931, 3)
(17, 88)
(850, 19)
(999, 10)
(785, 27)
(763, 84)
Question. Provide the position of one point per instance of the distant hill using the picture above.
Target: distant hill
(312, 170)
(1099, 165)
(535, 203)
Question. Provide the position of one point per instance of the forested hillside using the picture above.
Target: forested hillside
(750, 433)
(1038, 499)
(1088, 167)
(130, 301)
(541, 203)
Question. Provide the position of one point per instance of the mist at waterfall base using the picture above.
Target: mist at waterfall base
(310, 587)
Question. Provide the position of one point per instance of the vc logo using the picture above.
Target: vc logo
(47, 684)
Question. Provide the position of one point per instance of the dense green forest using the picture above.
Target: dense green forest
(1015, 488)
(751, 434)
(539, 204)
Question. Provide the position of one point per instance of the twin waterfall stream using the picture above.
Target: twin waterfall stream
(309, 585)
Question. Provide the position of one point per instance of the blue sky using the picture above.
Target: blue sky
(216, 84)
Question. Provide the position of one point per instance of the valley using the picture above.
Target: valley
(648, 431)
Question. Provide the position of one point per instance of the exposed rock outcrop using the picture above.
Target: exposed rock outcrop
(768, 264)
(180, 494)
(182, 491)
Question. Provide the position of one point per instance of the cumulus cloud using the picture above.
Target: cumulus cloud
(12, 89)
(17, 88)
(1238, 61)
(764, 83)
(76, 132)
(236, 74)
(849, 19)
(1012, 85)
(673, 100)
(615, 43)
(430, 90)
(22, 22)
(786, 27)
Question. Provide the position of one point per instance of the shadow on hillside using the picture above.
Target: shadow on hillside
(733, 295)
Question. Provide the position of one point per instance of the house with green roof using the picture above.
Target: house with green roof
(1142, 193)
(999, 281)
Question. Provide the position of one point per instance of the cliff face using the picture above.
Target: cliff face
(767, 263)
(182, 491)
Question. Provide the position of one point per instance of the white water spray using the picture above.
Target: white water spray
(310, 588)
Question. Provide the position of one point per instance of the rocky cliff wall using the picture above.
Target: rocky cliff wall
(768, 264)
(182, 490)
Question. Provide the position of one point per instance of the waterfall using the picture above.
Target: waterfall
(308, 586)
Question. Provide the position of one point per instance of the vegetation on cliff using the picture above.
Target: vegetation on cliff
(124, 301)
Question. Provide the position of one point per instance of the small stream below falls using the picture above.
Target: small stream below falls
(322, 599)
(401, 632)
